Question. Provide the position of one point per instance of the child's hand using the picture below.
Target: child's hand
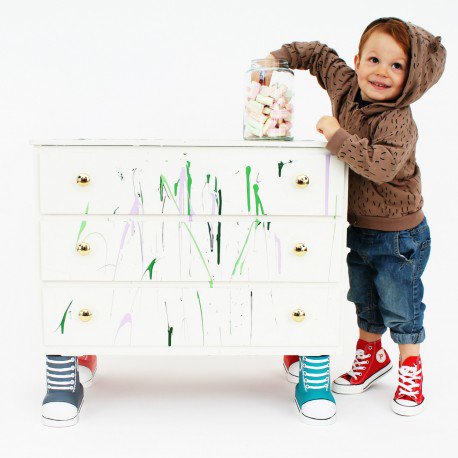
(328, 126)
(264, 76)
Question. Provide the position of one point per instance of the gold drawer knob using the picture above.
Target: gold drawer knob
(83, 179)
(300, 249)
(83, 248)
(85, 315)
(302, 181)
(298, 316)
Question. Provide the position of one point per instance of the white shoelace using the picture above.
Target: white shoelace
(69, 383)
(319, 383)
(359, 364)
(408, 376)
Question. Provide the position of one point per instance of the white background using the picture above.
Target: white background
(170, 69)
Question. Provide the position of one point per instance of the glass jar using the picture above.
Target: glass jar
(268, 101)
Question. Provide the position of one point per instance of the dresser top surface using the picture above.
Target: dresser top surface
(178, 142)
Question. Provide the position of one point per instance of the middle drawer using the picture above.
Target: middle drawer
(135, 249)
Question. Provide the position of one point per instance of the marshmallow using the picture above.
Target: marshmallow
(254, 106)
(253, 130)
(281, 102)
(267, 110)
(264, 100)
(270, 123)
(266, 91)
(254, 89)
(273, 133)
(280, 114)
(257, 116)
(254, 123)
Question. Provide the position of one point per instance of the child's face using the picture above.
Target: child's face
(382, 61)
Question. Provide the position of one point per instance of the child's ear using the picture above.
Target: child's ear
(357, 62)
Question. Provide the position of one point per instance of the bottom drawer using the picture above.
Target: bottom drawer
(171, 316)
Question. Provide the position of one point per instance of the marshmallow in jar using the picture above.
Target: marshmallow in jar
(268, 107)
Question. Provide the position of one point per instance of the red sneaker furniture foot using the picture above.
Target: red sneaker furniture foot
(87, 369)
(291, 366)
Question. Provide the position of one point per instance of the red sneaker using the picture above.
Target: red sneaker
(371, 362)
(87, 369)
(291, 365)
(408, 399)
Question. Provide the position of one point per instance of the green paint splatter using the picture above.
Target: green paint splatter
(83, 224)
(208, 178)
(161, 188)
(281, 165)
(216, 185)
(150, 269)
(257, 222)
(220, 202)
(268, 225)
(201, 318)
(189, 184)
(169, 328)
(166, 184)
(175, 187)
(257, 199)
(115, 210)
(64, 317)
(248, 189)
(141, 193)
(169, 332)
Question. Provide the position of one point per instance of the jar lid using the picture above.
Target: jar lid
(269, 63)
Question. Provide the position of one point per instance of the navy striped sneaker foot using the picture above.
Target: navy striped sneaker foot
(65, 394)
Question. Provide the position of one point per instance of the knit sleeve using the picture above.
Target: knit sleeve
(332, 73)
(381, 158)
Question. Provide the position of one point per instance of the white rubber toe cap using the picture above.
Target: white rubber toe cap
(86, 376)
(59, 411)
(342, 381)
(406, 407)
(319, 409)
(294, 369)
(406, 402)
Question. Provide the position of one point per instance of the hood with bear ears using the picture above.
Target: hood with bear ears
(427, 64)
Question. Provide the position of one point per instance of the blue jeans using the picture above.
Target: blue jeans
(385, 271)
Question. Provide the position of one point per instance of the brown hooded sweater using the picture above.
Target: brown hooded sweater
(377, 141)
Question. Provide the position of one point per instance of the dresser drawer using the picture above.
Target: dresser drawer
(141, 249)
(305, 315)
(184, 180)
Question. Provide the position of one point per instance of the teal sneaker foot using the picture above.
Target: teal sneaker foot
(314, 399)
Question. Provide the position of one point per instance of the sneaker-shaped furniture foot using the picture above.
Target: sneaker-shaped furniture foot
(65, 393)
(87, 367)
(314, 399)
(291, 366)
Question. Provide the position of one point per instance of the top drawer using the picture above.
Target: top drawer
(187, 180)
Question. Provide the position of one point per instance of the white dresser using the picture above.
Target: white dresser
(191, 247)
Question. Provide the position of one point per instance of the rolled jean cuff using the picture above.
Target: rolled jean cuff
(368, 327)
(414, 338)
